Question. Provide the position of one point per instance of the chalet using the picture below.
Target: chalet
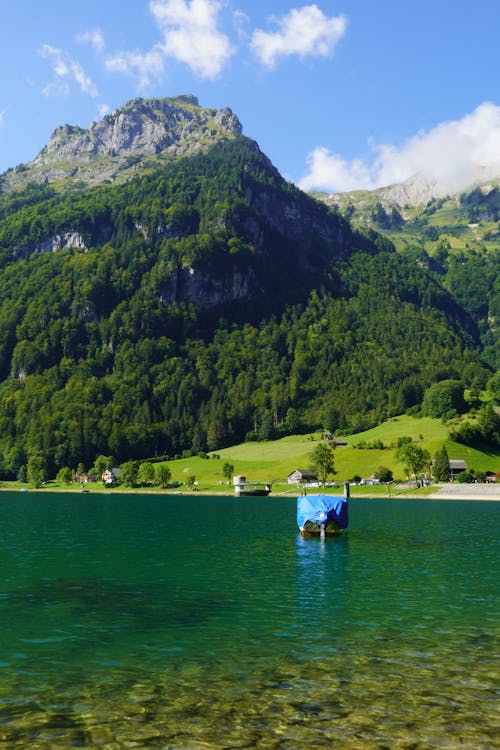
(333, 441)
(456, 467)
(299, 476)
(111, 476)
(85, 478)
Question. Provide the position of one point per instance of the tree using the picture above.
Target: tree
(444, 399)
(146, 474)
(494, 386)
(228, 471)
(101, 464)
(383, 474)
(486, 429)
(163, 475)
(80, 470)
(129, 473)
(414, 458)
(322, 461)
(489, 426)
(266, 428)
(441, 465)
(37, 470)
(64, 475)
(292, 421)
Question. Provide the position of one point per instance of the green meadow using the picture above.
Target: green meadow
(273, 461)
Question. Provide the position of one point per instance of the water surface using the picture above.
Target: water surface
(207, 622)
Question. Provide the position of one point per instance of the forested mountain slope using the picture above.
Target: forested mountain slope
(456, 238)
(203, 301)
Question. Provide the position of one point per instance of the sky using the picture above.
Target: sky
(339, 94)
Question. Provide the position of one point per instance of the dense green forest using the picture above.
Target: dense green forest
(211, 302)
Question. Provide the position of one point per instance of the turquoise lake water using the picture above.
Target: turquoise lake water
(189, 622)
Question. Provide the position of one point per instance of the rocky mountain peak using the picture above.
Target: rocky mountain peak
(141, 126)
(419, 189)
(128, 138)
(416, 190)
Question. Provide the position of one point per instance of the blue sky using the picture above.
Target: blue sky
(339, 94)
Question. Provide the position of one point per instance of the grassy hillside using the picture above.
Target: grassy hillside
(273, 461)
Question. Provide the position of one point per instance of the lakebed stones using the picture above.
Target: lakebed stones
(385, 698)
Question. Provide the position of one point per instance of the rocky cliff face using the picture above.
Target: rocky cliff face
(415, 191)
(420, 189)
(124, 142)
(62, 241)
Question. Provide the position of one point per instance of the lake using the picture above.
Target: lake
(189, 622)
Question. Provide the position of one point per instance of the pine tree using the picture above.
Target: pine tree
(441, 465)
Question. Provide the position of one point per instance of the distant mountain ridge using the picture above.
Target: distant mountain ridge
(127, 140)
(419, 189)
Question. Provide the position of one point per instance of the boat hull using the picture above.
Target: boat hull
(252, 492)
(311, 529)
(322, 515)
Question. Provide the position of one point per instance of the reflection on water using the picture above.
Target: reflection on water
(124, 623)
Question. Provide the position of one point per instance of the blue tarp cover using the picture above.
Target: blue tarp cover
(321, 509)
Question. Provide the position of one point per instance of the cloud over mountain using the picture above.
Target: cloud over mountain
(65, 71)
(451, 154)
(189, 34)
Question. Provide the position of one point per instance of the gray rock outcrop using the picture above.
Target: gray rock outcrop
(121, 144)
(140, 127)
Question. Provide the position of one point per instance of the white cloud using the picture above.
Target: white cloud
(141, 65)
(104, 109)
(330, 172)
(93, 37)
(191, 35)
(304, 32)
(450, 154)
(241, 22)
(2, 116)
(65, 71)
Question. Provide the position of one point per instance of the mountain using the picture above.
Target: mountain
(455, 236)
(419, 189)
(195, 299)
(180, 140)
(121, 145)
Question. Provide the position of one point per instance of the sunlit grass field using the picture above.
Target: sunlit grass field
(273, 461)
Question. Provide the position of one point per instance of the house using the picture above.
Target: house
(333, 441)
(111, 476)
(85, 478)
(456, 466)
(299, 476)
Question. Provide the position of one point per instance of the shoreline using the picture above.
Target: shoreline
(467, 492)
(470, 492)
